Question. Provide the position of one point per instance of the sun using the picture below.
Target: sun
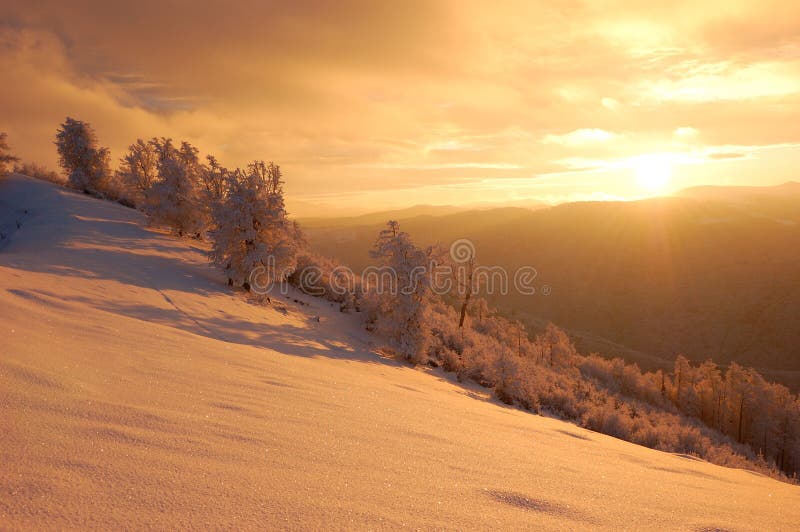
(653, 172)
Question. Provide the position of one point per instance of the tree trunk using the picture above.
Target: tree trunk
(464, 308)
(466, 297)
(741, 409)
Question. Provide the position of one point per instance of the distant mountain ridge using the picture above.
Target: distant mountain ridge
(722, 191)
(379, 216)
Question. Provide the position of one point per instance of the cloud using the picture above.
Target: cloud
(726, 81)
(726, 155)
(685, 132)
(610, 103)
(580, 137)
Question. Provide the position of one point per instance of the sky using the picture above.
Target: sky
(371, 105)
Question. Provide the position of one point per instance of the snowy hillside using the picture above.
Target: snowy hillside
(137, 391)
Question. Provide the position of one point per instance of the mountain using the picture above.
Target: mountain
(139, 392)
(380, 216)
(704, 274)
(745, 194)
(780, 203)
(416, 211)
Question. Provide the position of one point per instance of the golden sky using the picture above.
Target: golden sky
(368, 105)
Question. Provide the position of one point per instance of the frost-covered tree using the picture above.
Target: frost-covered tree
(85, 163)
(251, 234)
(138, 170)
(174, 199)
(38, 171)
(557, 349)
(5, 154)
(682, 378)
(402, 307)
(214, 183)
(740, 399)
(479, 309)
(324, 277)
(710, 392)
(214, 179)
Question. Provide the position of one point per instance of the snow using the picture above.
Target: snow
(137, 391)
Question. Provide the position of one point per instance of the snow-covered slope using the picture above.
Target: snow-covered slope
(137, 391)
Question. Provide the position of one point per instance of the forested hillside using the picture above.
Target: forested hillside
(644, 280)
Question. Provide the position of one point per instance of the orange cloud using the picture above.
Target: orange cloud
(356, 98)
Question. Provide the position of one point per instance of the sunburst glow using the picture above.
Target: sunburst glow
(653, 172)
